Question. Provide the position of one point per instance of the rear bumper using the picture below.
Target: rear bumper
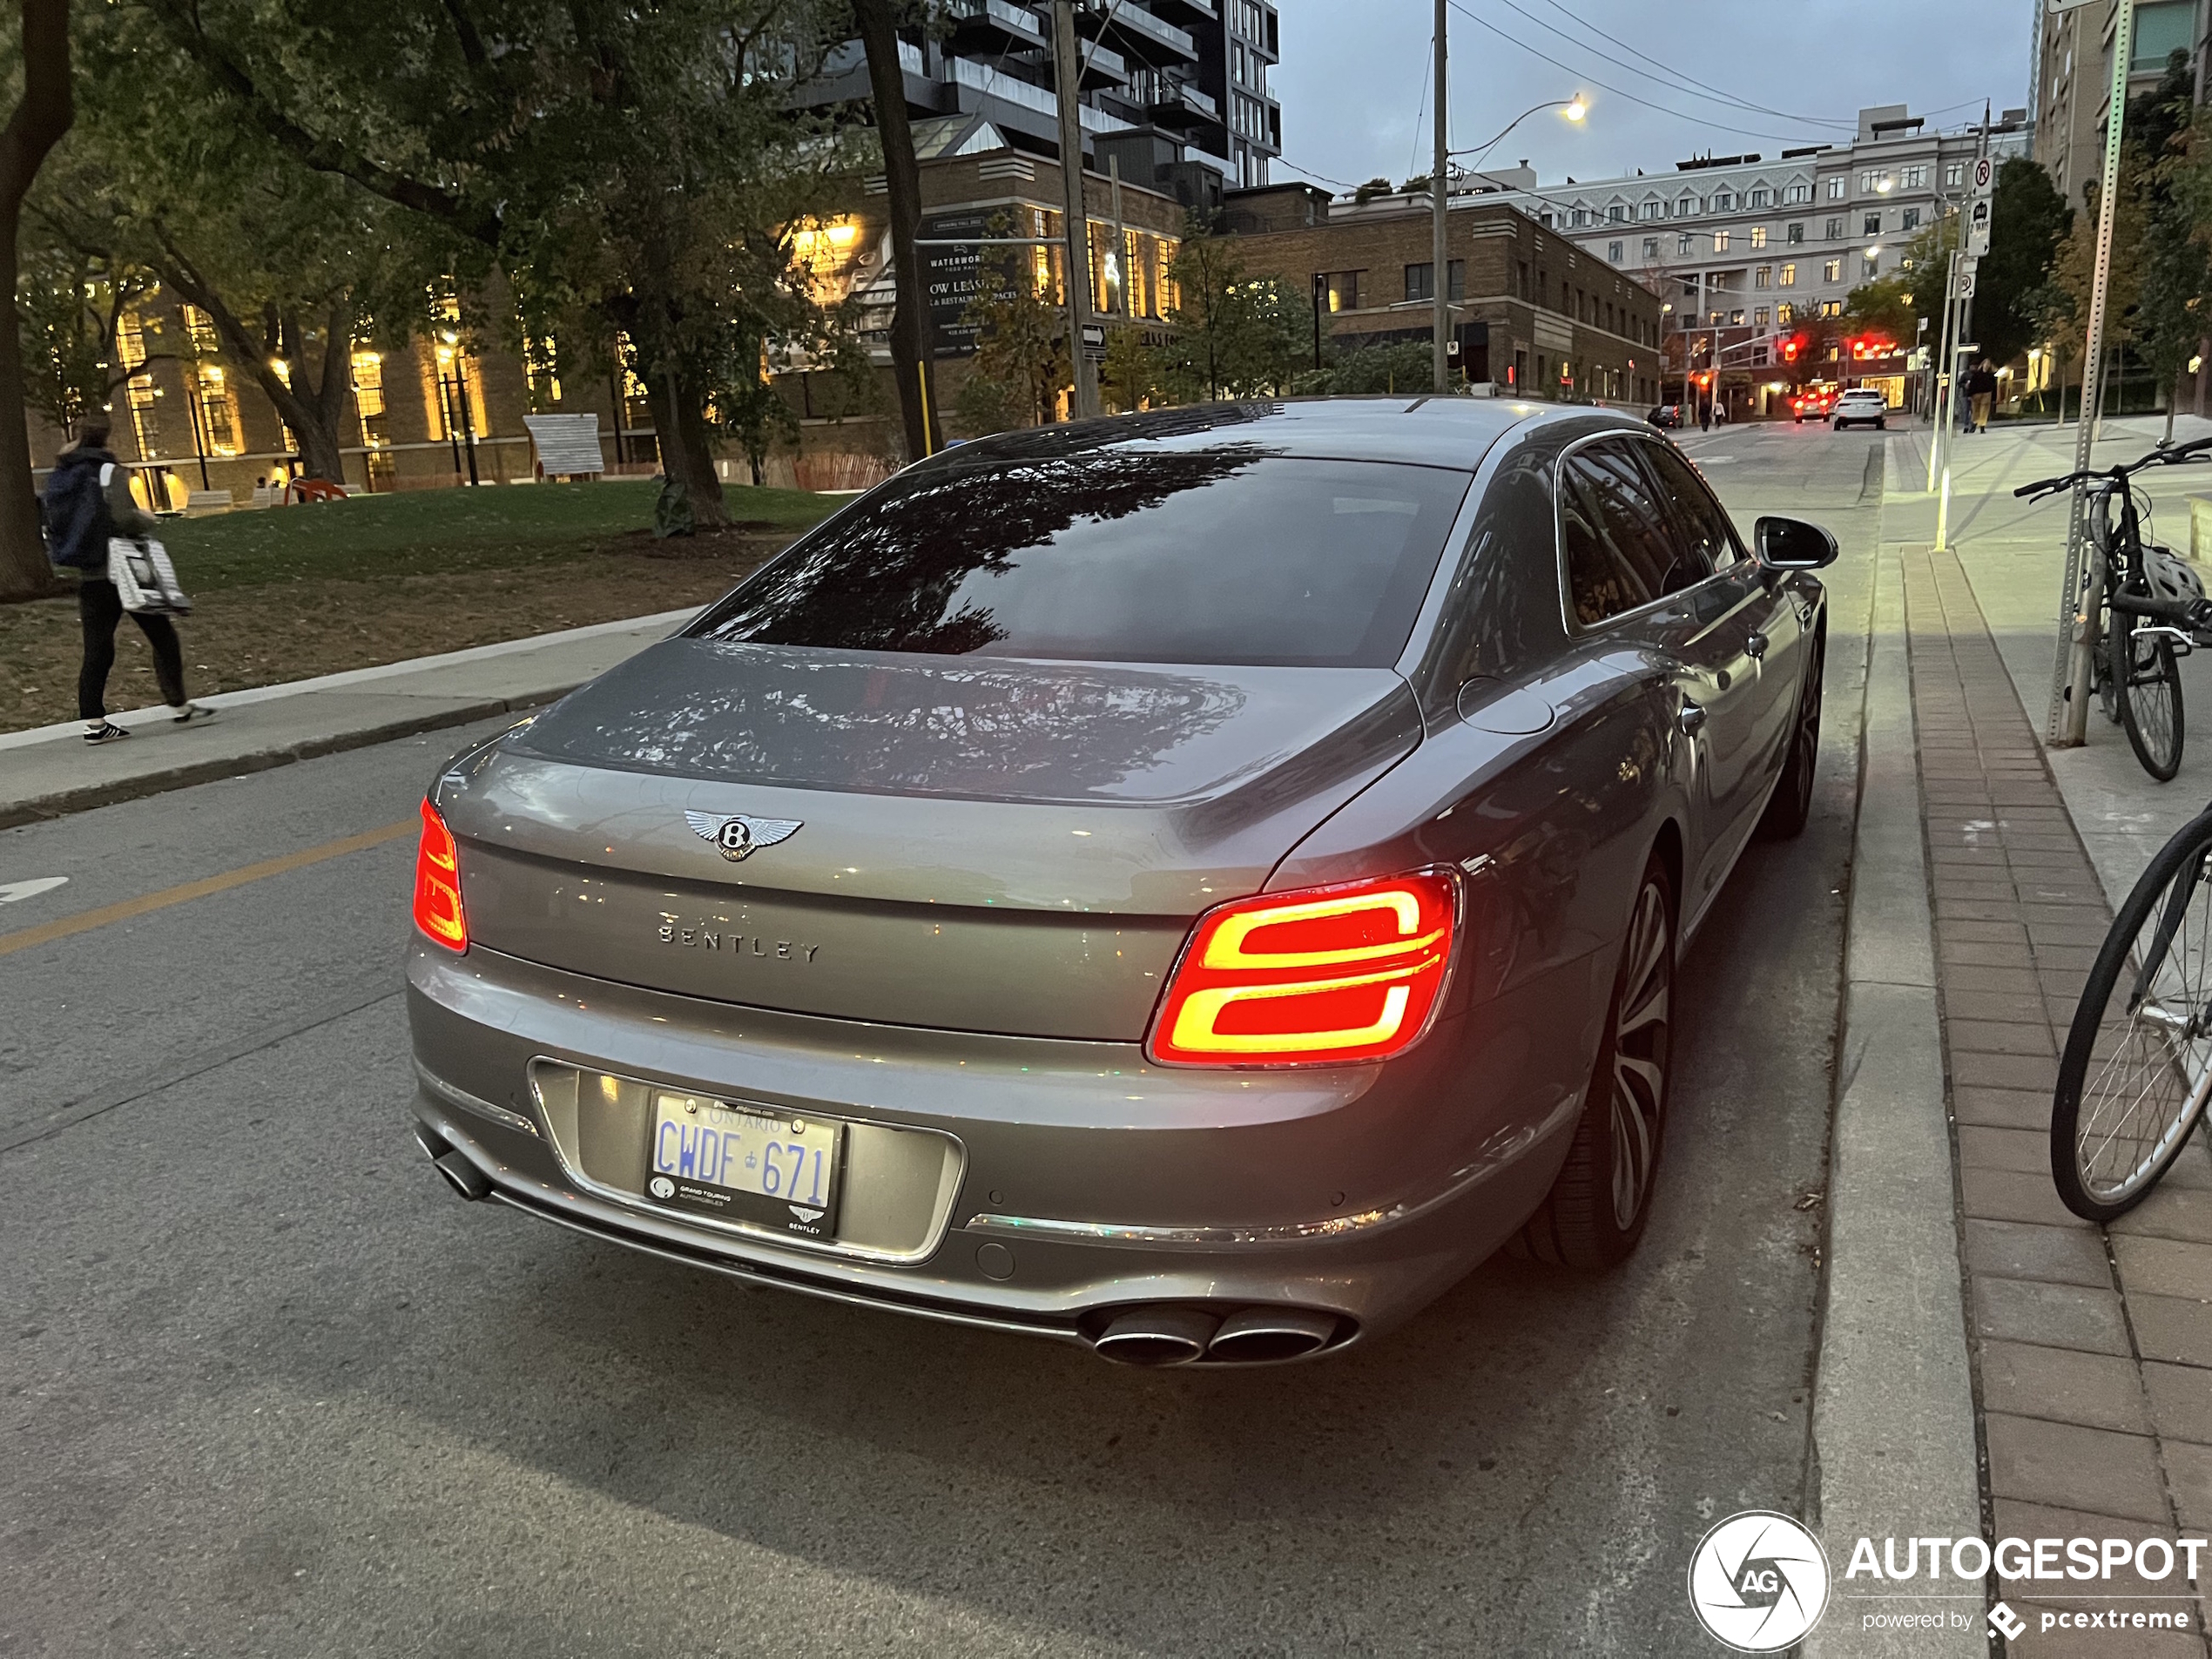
(1079, 1183)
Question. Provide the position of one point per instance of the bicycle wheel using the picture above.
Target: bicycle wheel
(2149, 682)
(2138, 1062)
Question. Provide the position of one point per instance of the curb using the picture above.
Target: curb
(1894, 1428)
(536, 694)
(47, 807)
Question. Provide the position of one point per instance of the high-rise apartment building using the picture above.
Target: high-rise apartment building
(2074, 76)
(1178, 87)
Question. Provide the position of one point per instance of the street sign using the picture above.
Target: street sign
(1984, 175)
(1978, 231)
(1094, 336)
(1966, 283)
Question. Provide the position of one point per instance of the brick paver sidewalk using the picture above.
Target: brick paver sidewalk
(2091, 1345)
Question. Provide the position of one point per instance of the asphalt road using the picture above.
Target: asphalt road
(270, 1389)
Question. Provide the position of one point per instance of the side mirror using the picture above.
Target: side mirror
(1792, 544)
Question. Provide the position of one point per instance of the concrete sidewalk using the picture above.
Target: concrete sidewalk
(50, 770)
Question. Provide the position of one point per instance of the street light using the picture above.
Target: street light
(1574, 109)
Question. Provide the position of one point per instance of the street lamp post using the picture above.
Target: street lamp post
(1440, 285)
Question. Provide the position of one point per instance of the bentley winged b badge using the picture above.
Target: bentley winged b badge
(738, 836)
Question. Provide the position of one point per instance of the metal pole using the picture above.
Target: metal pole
(1066, 68)
(2069, 715)
(468, 419)
(1317, 300)
(1440, 308)
(1942, 369)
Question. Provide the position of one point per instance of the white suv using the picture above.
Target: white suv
(1861, 403)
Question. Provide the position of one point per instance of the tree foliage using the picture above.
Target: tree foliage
(1238, 334)
(632, 170)
(1021, 366)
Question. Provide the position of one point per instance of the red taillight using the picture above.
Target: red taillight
(438, 884)
(1318, 977)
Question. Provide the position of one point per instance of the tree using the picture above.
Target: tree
(1896, 305)
(43, 113)
(71, 307)
(2176, 277)
(1022, 365)
(910, 348)
(2028, 220)
(1364, 370)
(633, 169)
(1237, 335)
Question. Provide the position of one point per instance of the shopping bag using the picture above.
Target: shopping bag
(145, 579)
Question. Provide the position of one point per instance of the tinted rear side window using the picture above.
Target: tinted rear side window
(1209, 556)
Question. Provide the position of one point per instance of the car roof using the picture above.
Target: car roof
(1426, 431)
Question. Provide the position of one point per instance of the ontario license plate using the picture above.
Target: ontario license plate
(741, 1163)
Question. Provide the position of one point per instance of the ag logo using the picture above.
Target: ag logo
(1758, 1581)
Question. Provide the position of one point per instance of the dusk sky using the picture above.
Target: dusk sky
(1353, 72)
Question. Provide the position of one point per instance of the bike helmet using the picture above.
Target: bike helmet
(2171, 577)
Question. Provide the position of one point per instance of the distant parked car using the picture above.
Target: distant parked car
(1812, 406)
(1861, 403)
(1668, 416)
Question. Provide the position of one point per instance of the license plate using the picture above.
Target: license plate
(744, 1164)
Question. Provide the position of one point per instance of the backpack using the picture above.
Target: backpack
(73, 515)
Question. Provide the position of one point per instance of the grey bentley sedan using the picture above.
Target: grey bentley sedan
(1193, 884)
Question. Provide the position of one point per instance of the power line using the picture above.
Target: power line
(1717, 126)
(1420, 105)
(1689, 82)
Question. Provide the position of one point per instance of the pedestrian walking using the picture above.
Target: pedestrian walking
(1704, 414)
(1981, 396)
(87, 503)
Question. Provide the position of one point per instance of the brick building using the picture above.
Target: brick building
(189, 420)
(1530, 313)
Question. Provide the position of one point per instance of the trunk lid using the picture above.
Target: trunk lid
(985, 845)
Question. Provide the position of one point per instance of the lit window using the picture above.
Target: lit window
(1789, 278)
(1785, 314)
(1720, 241)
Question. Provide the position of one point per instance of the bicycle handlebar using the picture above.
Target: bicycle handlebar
(2156, 458)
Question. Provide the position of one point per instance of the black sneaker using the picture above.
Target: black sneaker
(105, 731)
(190, 712)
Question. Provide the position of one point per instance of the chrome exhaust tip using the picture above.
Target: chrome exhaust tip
(1156, 1336)
(1265, 1336)
(461, 1175)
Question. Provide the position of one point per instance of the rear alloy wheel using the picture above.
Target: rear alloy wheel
(1597, 1208)
(1789, 808)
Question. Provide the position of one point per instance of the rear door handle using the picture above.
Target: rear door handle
(1692, 718)
(1756, 646)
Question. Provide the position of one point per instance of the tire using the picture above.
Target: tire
(2148, 683)
(1840, 426)
(1597, 1208)
(1881, 426)
(1789, 808)
(2156, 1066)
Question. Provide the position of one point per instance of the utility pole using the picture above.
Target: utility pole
(2080, 602)
(1439, 246)
(1067, 72)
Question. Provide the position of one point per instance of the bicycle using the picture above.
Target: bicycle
(2137, 1068)
(2151, 610)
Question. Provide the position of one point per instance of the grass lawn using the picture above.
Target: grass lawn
(291, 592)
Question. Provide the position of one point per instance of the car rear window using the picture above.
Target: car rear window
(1222, 556)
